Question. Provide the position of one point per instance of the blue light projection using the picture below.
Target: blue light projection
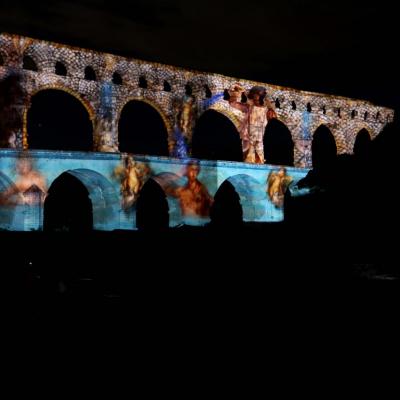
(114, 182)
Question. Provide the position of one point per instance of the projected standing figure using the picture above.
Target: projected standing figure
(194, 199)
(259, 112)
(278, 181)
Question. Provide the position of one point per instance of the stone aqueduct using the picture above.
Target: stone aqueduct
(117, 80)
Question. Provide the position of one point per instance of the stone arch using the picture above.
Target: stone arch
(252, 196)
(40, 52)
(226, 210)
(155, 107)
(152, 209)
(354, 129)
(104, 199)
(151, 103)
(227, 111)
(324, 147)
(89, 108)
(278, 143)
(215, 137)
(362, 142)
(29, 63)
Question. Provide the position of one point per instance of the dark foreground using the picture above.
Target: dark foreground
(112, 277)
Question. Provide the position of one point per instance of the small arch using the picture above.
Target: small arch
(362, 143)
(293, 105)
(60, 69)
(141, 130)
(29, 64)
(90, 74)
(278, 144)
(57, 120)
(188, 90)
(152, 210)
(277, 103)
(338, 112)
(142, 82)
(251, 194)
(226, 211)
(378, 116)
(323, 148)
(1, 60)
(67, 206)
(323, 110)
(215, 137)
(166, 86)
(243, 99)
(227, 96)
(353, 114)
(365, 115)
(309, 109)
(117, 78)
(208, 93)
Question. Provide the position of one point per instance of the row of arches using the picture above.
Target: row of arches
(90, 74)
(68, 206)
(56, 120)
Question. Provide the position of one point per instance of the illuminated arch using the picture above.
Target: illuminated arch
(151, 103)
(104, 199)
(216, 137)
(227, 111)
(85, 103)
(154, 108)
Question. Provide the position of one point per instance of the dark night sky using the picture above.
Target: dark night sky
(341, 47)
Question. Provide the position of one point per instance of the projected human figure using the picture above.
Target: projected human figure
(186, 115)
(194, 199)
(278, 181)
(132, 176)
(257, 113)
(260, 111)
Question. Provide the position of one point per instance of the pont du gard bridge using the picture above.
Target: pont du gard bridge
(90, 140)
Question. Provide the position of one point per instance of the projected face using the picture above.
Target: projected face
(194, 199)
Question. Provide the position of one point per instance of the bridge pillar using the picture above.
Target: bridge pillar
(105, 133)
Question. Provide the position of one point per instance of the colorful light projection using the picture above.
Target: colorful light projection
(114, 183)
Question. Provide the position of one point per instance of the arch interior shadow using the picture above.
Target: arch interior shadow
(278, 144)
(215, 137)
(226, 211)
(152, 210)
(323, 148)
(142, 130)
(67, 206)
(58, 121)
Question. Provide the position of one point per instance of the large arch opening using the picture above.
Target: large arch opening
(152, 211)
(362, 144)
(278, 144)
(226, 210)
(215, 137)
(58, 121)
(323, 148)
(141, 130)
(67, 206)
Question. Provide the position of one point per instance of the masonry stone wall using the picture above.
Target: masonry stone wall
(302, 112)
